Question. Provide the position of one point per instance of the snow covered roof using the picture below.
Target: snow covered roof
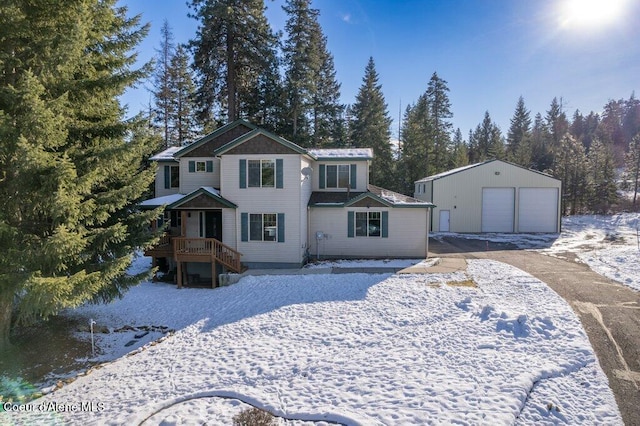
(161, 201)
(471, 166)
(385, 196)
(167, 154)
(342, 153)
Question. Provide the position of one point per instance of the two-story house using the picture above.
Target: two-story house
(242, 197)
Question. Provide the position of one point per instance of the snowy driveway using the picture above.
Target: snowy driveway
(608, 310)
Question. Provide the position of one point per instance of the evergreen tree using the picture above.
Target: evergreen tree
(519, 129)
(440, 109)
(415, 149)
(631, 119)
(182, 99)
(460, 155)
(162, 93)
(541, 155)
(233, 47)
(371, 127)
(632, 167)
(70, 165)
(602, 179)
(313, 107)
(610, 130)
(570, 166)
(557, 124)
(487, 140)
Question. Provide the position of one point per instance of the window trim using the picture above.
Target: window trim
(263, 228)
(262, 169)
(171, 180)
(337, 176)
(368, 225)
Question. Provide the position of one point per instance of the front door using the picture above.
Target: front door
(212, 224)
(444, 220)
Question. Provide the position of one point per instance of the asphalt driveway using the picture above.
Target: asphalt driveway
(609, 312)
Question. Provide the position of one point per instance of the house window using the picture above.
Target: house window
(368, 224)
(201, 166)
(338, 176)
(174, 177)
(263, 227)
(261, 173)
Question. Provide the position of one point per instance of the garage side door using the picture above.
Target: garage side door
(498, 206)
(538, 210)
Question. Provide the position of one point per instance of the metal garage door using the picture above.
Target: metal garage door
(538, 210)
(498, 206)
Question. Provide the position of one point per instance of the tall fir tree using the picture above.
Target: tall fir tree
(440, 109)
(233, 47)
(371, 127)
(632, 168)
(71, 166)
(571, 167)
(541, 155)
(162, 93)
(602, 179)
(312, 91)
(416, 147)
(519, 130)
(182, 114)
(460, 154)
(487, 140)
(610, 130)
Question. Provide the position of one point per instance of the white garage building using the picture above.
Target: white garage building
(493, 196)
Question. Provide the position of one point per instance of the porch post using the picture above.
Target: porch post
(214, 273)
(179, 274)
(183, 223)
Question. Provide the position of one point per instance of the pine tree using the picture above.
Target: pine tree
(519, 130)
(487, 140)
(557, 124)
(460, 153)
(570, 166)
(416, 148)
(440, 109)
(631, 118)
(313, 107)
(602, 179)
(610, 130)
(71, 166)
(233, 47)
(371, 127)
(162, 93)
(541, 155)
(182, 99)
(632, 167)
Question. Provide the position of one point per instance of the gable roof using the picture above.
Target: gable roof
(378, 195)
(256, 132)
(219, 131)
(167, 154)
(471, 166)
(206, 191)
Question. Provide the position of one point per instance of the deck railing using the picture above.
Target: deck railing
(183, 246)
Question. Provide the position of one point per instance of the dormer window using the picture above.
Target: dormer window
(338, 176)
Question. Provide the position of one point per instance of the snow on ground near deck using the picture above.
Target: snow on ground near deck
(608, 244)
(354, 348)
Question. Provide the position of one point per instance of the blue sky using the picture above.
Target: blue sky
(489, 51)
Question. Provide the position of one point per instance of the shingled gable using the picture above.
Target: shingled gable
(202, 198)
(260, 141)
(207, 145)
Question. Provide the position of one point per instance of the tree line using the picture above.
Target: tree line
(287, 83)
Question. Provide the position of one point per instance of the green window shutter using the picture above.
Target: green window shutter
(167, 177)
(192, 166)
(354, 177)
(244, 227)
(279, 173)
(281, 227)
(209, 166)
(322, 176)
(350, 224)
(385, 224)
(243, 173)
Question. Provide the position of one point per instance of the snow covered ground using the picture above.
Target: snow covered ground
(357, 348)
(351, 348)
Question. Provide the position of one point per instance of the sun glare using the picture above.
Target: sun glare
(591, 14)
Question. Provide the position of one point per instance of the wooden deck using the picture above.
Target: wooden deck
(205, 250)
